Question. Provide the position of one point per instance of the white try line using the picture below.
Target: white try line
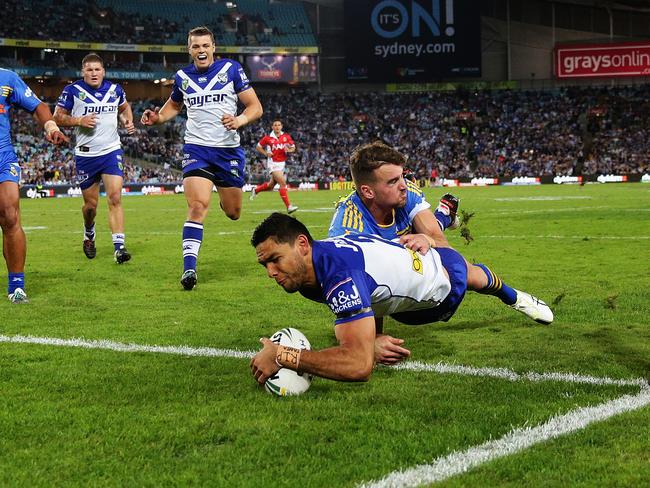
(517, 440)
(416, 366)
(447, 466)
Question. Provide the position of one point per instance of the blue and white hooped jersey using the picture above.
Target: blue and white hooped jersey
(208, 95)
(364, 275)
(13, 91)
(352, 216)
(80, 99)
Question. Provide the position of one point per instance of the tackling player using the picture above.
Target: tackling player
(14, 92)
(210, 89)
(93, 106)
(362, 278)
(275, 147)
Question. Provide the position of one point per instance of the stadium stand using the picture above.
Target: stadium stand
(510, 133)
(252, 22)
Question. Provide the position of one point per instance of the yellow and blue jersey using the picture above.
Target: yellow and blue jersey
(352, 217)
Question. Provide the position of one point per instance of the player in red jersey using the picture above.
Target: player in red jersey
(275, 147)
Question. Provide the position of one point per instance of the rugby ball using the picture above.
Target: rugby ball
(287, 381)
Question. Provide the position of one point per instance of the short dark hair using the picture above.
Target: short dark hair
(92, 58)
(200, 31)
(367, 158)
(281, 228)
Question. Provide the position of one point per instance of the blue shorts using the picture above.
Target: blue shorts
(456, 266)
(9, 167)
(90, 169)
(224, 166)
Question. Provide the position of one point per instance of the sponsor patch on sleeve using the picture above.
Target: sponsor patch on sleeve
(347, 301)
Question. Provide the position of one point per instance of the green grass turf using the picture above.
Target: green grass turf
(89, 417)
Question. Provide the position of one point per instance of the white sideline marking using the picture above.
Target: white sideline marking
(613, 238)
(122, 347)
(508, 374)
(457, 462)
(541, 199)
(516, 440)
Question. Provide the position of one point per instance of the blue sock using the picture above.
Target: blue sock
(118, 241)
(16, 280)
(192, 237)
(444, 221)
(497, 287)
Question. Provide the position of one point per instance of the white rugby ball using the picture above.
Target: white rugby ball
(287, 381)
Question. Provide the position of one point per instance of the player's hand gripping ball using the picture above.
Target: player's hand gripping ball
(287, 381)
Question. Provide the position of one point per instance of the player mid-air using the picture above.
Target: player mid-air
(362, 278)
(210, 90)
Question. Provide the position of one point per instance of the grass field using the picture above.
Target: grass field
(98, 416)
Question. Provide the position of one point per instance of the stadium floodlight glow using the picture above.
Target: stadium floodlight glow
(162, 80)
(156, 81)
(231, 5)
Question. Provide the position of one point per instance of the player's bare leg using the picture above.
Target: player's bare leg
(230, 200)
(198, 192)
(14, 243)
(113, 187)
(278, 176)
(89, 212)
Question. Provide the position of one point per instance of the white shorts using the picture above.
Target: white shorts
(275, 166)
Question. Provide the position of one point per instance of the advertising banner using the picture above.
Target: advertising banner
(283, 69)
(407, 41)
(602, 60)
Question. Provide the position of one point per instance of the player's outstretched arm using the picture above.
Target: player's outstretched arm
(263, 151)
(425, 223)
(351, 360)
(52, 132)
(161, 115)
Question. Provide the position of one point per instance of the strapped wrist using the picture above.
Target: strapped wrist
(288, 357)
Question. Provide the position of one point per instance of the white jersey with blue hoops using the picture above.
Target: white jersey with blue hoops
(365, 275)
(208, 95)
(80, 99)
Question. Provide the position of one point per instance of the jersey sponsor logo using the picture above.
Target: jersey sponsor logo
(222, 78)
(28, 93)
(416, 261)
(344, 296)
(203, 100)
(14, 170)
(99, 109)
(203, 79)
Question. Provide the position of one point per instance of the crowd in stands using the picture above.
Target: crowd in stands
(113, 21)
(460, 134)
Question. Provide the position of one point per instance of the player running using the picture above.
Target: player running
(210, 90)
(93, 106)
(14, 92)
(275, 147)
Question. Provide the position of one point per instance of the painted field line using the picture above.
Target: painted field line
(550, 236)
(439, 368)
(517, 440)
(122, 347)
(508, 374)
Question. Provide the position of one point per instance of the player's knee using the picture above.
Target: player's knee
(233, 213)
(197, 210)
(8, 218)
(114, 199)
